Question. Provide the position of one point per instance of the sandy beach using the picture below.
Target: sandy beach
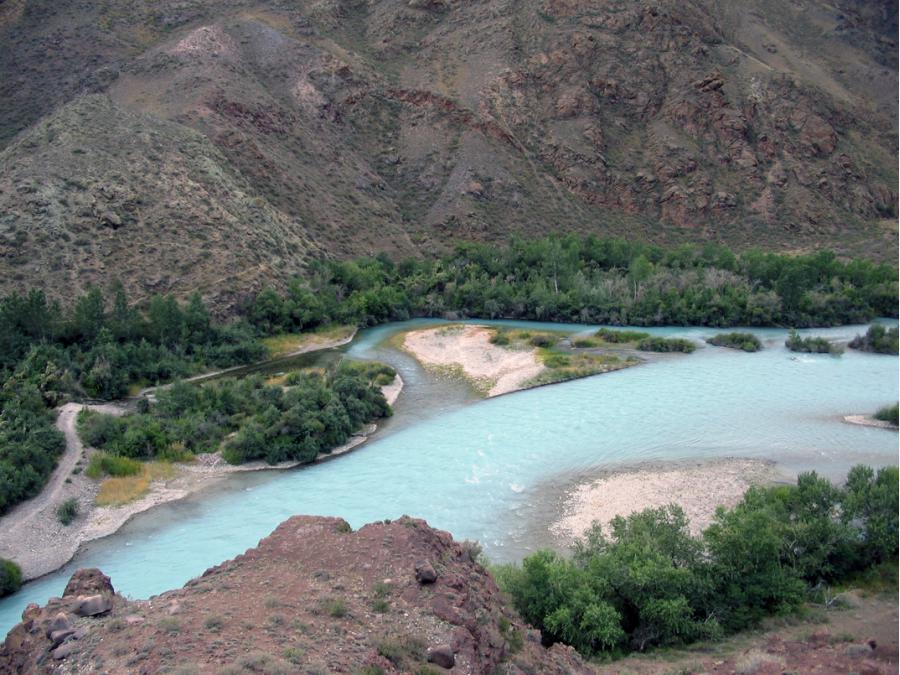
(491, 368)
(699, 488)
(32, 536)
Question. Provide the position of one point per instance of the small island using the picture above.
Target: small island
(747, 342)
(502, 360)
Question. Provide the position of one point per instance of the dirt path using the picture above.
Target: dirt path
(31, 534)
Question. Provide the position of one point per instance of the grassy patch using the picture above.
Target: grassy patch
(126, 489)
(104, 464)
(286, 343)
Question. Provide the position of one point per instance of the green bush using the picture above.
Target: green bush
(650, 582)
(543, 340)
(620, 336)
(67, 511)
(660, 344)
(747, 342)
(10, 577)
(889, 413)
(811, 345)
(500, 339)
(878, 339)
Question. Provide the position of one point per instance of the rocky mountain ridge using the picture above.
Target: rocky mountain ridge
(220, 146)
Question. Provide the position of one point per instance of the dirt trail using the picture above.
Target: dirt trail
(31, 534)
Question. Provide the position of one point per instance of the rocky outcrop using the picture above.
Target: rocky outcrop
(396, 595)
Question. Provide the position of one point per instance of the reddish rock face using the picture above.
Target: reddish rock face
(264, 135)
(395, 595)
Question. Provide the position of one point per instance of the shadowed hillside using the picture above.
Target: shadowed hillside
(221, 145)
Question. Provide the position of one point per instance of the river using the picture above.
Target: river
(481, 469)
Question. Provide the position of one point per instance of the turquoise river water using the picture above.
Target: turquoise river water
(481, 469)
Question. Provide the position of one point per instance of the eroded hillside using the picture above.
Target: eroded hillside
(221, 145)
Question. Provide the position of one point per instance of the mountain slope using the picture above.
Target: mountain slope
(344, 127)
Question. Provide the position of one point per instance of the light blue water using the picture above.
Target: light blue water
(474, 469)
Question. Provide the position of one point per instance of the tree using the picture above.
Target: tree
(89, 316)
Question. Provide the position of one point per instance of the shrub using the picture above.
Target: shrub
(747, 342)
(543, 340)
(811, 345)
(501, 339)
(67, 511)
(214, 623)
(620, 336)
(10, 577)
(889, 413)
(336, 608)
(878, 339)
(583, 343)
(170, 625)
(661, 344)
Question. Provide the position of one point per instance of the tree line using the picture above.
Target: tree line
(587, 280)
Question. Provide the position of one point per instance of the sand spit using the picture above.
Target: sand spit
(698, 488)
(867, 421)
(493, 368)
(32, 536)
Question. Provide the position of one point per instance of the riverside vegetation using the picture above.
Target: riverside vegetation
(100, 348)
(811, 345)
(650, 583)
(747, 342)
(890, 413)
(313, 414)
(878, 339)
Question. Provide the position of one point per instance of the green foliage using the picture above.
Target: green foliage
(747, 342)
(67, 511)
(10, 577)
(650, 582)
(661, 344)
(316, 414)
(889, 413)
(588, 280)
(810, 345)
(104, 464)
(48, 355)
(878, 339)
(620, 336)
(29, 443)
(336, 608)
